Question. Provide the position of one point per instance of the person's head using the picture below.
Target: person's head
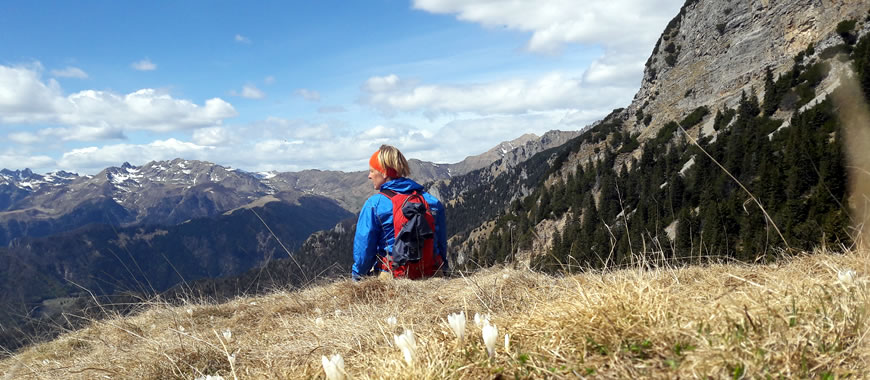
(387, 163)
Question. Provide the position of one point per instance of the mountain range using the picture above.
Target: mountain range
(732, 149)
(143, 229)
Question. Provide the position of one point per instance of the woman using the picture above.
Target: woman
(375, 230)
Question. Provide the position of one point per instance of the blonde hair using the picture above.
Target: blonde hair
(390, 157)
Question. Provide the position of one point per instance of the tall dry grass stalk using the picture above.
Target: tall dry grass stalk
(855, 115)
(804, 317)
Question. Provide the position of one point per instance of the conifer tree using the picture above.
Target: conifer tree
(771, 101)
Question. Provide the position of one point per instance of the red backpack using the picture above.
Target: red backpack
(414, 247)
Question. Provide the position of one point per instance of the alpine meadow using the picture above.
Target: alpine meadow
(714, 227)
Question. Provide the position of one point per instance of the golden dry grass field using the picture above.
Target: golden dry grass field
(804, 317)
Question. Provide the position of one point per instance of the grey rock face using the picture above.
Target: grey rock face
(716, 49)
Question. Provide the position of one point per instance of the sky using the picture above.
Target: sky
(294, 85)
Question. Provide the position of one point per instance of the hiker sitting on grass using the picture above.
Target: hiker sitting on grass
(401, 231)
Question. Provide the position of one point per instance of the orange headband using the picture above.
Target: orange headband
(375, 163)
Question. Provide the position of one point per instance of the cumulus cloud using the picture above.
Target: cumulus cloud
(242, 39)
(249, 91)
(554, 23)
(70, 72)
(553, 91)
(291, 145)
(626, 30)
(309, 95)
(211, 136)
(91, 159)
(93, 114)
(23, 95)
(144, 65)
(15, 160)
(78, 133)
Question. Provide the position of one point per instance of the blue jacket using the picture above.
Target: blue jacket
(374, 229)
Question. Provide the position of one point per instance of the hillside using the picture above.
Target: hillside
(40, 278)
(730, 177)
(612, 191)
(805, 316)
(739, 147)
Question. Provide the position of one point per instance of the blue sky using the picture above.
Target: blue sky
(295, 85)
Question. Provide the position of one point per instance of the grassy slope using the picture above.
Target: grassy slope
(793, 319)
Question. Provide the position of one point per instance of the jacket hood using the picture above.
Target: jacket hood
(402, 185)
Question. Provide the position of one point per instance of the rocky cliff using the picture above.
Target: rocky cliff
(713, 50)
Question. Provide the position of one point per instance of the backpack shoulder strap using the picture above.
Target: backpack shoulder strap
(389, 193)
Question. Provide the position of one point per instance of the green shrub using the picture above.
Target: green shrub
(844, 29)
(845, 26)
(695, 117)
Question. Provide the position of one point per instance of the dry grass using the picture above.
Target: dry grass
(792, 319)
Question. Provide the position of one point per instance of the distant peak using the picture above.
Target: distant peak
(18, 174)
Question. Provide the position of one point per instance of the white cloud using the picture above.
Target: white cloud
(211, 136)
(553, 91)
(269, 80)
(625, 30)
(77, 133)
(292, 145)
(554, 23)
(70, 72)
(24, 137)
(477, 135)
(92, 114)
(144, 65)
(91, 159)
(242, 39)
(23, 95)
(381, 84)
(14, 160)
(249, 91)
(309, 95)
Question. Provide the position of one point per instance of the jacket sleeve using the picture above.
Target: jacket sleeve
(440, 228)
(365, 241)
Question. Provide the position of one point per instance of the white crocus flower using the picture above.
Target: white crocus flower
(846, 277)
(490, 333)
(408, 344)
(507, 342)
(210, 377)
(392, 322)
(334, 367)
(228, 335)
(457, 324)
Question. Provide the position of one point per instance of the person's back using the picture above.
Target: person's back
(419, 254)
